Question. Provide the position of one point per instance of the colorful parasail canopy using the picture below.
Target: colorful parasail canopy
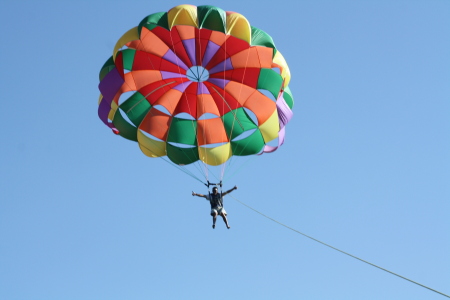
(197, 83)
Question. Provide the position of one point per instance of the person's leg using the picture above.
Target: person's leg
(214, 220)
(224, 217)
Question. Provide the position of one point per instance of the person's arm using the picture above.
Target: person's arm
(198, 195)
(229, 191)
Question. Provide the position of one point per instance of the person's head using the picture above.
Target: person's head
(215, 190)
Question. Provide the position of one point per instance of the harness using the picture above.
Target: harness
(215, 200)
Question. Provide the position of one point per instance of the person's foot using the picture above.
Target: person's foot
(228, 227)
(214, 226)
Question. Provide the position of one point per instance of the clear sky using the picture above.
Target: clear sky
(365, 166)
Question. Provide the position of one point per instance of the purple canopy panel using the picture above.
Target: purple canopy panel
(281, 136)
(170, 56)
(222, 66)
(284, 112)
(219, 82)
(269, 149)
(167, 75)
(189, 45)
(210, 51)
(182, 86)
(109, 87)
(202, 89)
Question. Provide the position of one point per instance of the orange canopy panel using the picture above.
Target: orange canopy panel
(156, 123)
(211, 131)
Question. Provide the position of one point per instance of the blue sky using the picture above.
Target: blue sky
(365, 166)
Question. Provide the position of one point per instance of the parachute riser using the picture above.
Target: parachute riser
(208, 184)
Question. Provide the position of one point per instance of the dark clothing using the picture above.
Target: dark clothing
(215, 200)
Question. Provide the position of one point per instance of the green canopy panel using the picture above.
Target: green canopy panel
(128, 58)
(154, 20)
(106, 68)
(136, 108)
(126, 130)
(261, 38)
(182, 156)
(211, 17)
(236, 122)
(287, 95)
(183, 131)
(271, 81)
(250, 145)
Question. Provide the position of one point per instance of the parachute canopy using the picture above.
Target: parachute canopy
(197, 83)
